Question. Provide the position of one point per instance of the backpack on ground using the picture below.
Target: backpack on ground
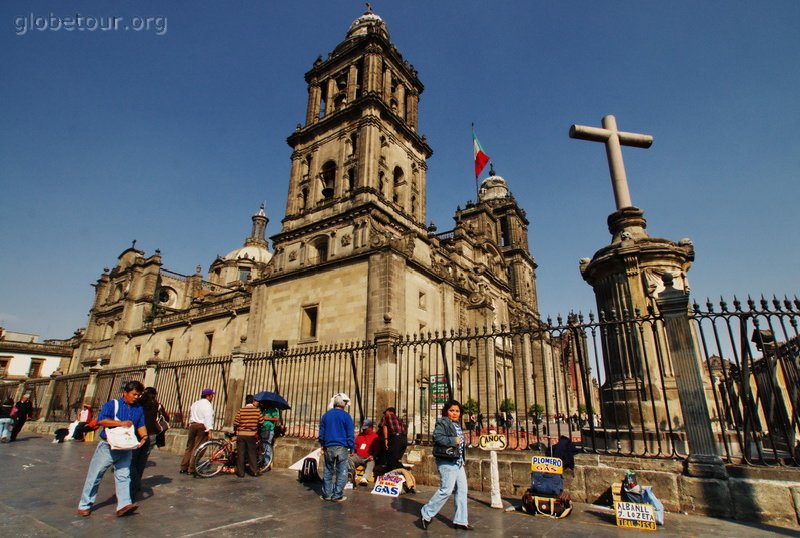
(308, 473)
(555, 507)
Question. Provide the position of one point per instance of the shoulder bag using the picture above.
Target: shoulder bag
(161, 420)
(121, 437)
(442, 452)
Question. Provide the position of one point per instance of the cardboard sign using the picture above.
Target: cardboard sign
(493, 441)
(546, 464)
(388, 484)
(635, 516)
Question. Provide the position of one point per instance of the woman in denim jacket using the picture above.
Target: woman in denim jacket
(448, 433)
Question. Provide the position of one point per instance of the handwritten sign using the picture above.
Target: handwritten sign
(635, 516)
(388, 484)
(546, 464)
(493, 441)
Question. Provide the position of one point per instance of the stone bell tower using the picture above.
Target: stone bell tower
(626, 277)
(359, 144)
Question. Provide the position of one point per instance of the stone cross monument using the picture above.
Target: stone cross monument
(626, 276)
(613, 139)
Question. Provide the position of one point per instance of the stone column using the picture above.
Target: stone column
(352, 83)
(235, 396)
(151, 373)
(91, 386)
(704, 460)
(314, 96)
(45, 400)
(385, 370)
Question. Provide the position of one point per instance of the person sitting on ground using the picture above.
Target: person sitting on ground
(84, 417)
(367, 448)
(247, 423)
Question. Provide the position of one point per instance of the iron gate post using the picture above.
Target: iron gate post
(151, 373)
(704, 459)
(385, 370)
(44, 402)
(235, 385)
(91, 385)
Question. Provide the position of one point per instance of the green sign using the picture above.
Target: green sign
(440, 393)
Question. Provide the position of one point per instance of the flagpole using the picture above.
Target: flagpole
(477, 188)
(480, 159)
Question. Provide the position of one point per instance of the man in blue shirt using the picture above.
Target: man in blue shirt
(125, 412)
(337, 437)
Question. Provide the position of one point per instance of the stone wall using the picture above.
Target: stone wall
(764, 495)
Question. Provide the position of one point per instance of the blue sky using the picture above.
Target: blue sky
(174, 136)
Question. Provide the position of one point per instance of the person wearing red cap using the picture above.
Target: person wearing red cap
(201, 424)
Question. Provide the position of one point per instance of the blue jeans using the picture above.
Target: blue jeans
(336, 461)
(104, 458)
(266, 442)
(452, 476)
(5, 428)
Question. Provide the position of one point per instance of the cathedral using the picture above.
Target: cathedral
(353, 256)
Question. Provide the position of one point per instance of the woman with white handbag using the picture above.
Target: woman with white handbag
(122, 420)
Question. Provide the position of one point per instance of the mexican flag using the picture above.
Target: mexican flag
(480, 157)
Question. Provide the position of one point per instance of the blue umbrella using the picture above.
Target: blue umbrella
(271, 399)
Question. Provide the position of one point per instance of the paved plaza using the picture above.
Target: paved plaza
(41, 483)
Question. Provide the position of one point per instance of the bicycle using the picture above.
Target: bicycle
(215, 455)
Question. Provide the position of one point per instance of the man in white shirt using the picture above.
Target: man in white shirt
(201, 424)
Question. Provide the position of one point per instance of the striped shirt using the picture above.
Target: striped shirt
(247, 420)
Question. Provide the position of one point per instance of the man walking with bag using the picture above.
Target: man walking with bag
(122, 413)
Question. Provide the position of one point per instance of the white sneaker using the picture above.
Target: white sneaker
(349, 485)
(363, 482)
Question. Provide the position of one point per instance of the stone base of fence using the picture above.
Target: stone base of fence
(769, 495)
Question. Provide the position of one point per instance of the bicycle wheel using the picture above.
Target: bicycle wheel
(210, 457)
(264, 460)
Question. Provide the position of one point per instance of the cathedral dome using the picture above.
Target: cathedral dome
(493, 187)
(256, 253)
(369, 20)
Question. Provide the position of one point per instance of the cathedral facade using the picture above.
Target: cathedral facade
(353, 257)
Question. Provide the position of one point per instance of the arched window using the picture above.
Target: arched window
(397, 182)
(328, 176)
(304, 199)
(351, 179)
(320, 245)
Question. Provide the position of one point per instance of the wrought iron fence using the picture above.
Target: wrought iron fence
(67, 399)
(180, 383)
(752, 354)
(308, 377)
(37, 388)
(9, 390)
(110, 382)
(607, 383)
(521, 381)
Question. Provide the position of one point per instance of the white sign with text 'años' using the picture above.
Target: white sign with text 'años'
(493, 441)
